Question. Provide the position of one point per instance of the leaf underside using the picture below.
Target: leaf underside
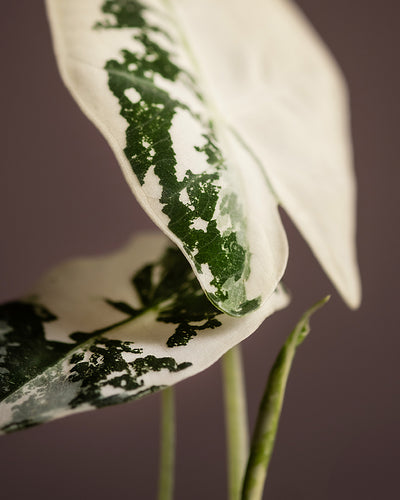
(102, 331)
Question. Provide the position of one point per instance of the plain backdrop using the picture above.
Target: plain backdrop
(62, 195)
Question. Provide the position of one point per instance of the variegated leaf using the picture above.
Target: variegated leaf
(105, 330)
(280, 90)
(217, 110)
(127, 65)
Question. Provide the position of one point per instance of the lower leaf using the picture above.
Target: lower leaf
(111, 329)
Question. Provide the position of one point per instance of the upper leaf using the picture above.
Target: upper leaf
(279, 88)
(105, 330)
(127, 65)
(215, 112)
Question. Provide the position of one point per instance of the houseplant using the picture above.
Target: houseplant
(229, 297)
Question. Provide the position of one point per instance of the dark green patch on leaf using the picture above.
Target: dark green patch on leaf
(153, 364)
(24, 350)
(39, 378)
(149, 144)
(103, 365)
(122, 307)
(183, 302)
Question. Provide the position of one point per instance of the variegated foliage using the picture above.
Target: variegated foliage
(105, 330)
(218, 111)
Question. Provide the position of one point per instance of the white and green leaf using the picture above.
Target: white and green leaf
(217, 111)
(105, 330)
(282, 93)
(126, 64)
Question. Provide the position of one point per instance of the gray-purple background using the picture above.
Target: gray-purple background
(62, 195)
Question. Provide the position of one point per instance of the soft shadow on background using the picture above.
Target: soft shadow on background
(62, 195)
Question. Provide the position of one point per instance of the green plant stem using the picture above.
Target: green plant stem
(270, 410)
(236, 420)
(167, 452)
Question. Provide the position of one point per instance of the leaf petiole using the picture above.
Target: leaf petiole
(167, 451)
(270, 409)
(236, 420)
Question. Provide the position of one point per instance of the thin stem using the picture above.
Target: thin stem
(270, 410)
(236, 420)
(167, 452)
